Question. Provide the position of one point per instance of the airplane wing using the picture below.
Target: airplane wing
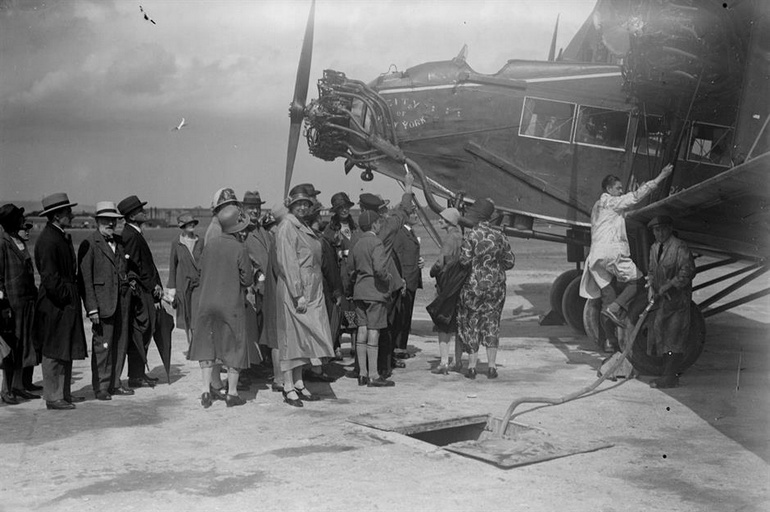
(728, 213)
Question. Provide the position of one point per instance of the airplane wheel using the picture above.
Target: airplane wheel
(559, 285)
(572, 305)
(367, 175)
(653, 365)
(592, 322)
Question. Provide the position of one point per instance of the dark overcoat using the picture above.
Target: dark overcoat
(59, 332)
(17, 282)
(406, 247)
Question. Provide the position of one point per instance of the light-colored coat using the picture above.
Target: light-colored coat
(305, 335)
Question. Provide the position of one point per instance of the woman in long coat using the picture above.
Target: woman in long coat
(220, 328)
(303, 324)
(488, 254)
(17, 287)
(450, 277)
(184, 273)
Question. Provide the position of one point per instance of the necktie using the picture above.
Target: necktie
(660, 251)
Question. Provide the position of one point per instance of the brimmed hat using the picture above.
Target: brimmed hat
(299, 196)
(10, 215)
(107, 209)
(660, 220)
(304, 188)
(451, 215)
(55, 202)
(232, 220)
(252, 199)
(129, 205)
(480, 211)
(341, 200)
(372, 202)
(222, 197)
(367, 219)
(186, 219)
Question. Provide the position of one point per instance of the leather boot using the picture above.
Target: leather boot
(670, 369)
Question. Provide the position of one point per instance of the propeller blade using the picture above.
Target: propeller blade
(297, 108)
(291, 154)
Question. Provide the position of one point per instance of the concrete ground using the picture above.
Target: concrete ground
(701, 447)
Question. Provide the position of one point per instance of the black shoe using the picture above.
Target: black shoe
(103, 395)
(471, 373)
(59, 405)
(122, 391)
(397, 364)
(363, 381)
(75, 399)
(20, 393)
(32, 387)
(492, 373)
(277, 388)
(206, 400)
(139, 382)
(292, 401)
(403, 355)
(9, 398)
(234, 400)
(218, 394)
(305, 395)
(379, 382)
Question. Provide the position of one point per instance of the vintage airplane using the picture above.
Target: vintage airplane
(641, 84)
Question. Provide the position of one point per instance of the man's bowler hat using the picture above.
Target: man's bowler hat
(130, 205)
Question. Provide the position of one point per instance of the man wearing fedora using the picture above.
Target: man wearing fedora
(392, 221)
(406, 247)
(147, 291)
(671, 271)
(60, 336)
(106, 297)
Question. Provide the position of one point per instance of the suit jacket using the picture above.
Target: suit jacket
(406, 247)
(59, 331)
(369, 270)
(140, 259)
(103, 273)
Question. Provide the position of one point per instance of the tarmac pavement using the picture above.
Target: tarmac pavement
(701, 447)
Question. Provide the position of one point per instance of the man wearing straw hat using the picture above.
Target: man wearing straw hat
(106, 297)
(60, 336)
(148, 288)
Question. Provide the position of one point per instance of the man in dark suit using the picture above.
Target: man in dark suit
(147, 292)
(60, 336)
(106, 297)
(406, 247)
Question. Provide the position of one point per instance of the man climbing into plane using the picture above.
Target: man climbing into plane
(610, 256)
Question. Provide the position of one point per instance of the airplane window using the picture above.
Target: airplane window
(547, 119)
(602, 127)
(710, 144)
(649, 136)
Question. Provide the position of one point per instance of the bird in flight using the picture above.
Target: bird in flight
(181, 124)
(141, 9)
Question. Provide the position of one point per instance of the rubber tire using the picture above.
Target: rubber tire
(559, 286)
(572, 305)
(653, 365)
(592, 322)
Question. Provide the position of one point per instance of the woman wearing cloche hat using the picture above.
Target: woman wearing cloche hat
(220, 326)
(184, 273)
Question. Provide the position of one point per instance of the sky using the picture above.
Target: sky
(90, 90)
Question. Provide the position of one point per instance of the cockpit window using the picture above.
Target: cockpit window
(710, 143)
(602, 127)
(547, 119)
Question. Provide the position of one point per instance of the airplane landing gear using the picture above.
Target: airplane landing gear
(367, 175)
